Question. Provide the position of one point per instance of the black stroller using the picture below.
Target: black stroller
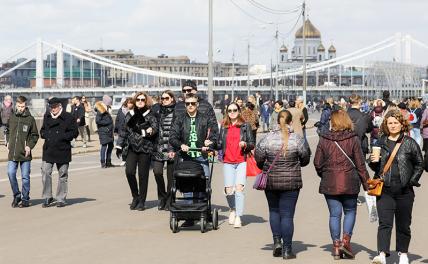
(189, 177)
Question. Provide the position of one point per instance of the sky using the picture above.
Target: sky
(180, 27)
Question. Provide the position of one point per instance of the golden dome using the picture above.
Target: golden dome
(311, 31)
(321, 47)
(283, 48)
(332, 48)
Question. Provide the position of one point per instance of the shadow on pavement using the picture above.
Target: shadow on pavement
(425, 261)
(151, 204)
(357, 248)
(298, 246)
(252, 219)
(394, 258)
(71, 201)
(1, 196)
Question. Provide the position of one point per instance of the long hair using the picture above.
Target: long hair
(284, 119)
(171, 94)
(397, 115)
(148, 103)
(340, 121)
(227, 122)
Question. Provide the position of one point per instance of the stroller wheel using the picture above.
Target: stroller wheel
(203, 225)
(173, 224)
(215, 219)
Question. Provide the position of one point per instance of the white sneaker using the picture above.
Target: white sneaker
(403, 258)
(232, 217)
(122, 164)
(381, 259)
(237, 223)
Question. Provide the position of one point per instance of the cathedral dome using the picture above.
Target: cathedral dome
(283, 48)
(332, 49)
(321, 48)
(310, 31)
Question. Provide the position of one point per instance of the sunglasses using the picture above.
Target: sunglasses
(232, 110)
(165, 98)
(191, 103)
(187, 90)
(140, 100)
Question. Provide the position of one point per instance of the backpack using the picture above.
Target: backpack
(377, 119)
(413, 118)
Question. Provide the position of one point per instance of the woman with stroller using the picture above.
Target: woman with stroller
(282, 153)
(104, 123)
(235, 142)
(397, 197)
(340, 163)
(139, 137)
(164, 152)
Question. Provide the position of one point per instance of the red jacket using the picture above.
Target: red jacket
(337, 173)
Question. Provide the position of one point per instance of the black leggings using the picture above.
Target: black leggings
(142, 160)
(158, 172)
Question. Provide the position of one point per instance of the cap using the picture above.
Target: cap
(54, 101)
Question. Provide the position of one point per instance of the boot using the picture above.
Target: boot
(134, 203)
(336, 250)
(287, 253)
(103, 165)
(345, 249)
(277, 247)
(109, 164)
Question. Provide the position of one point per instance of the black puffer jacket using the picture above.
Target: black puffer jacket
(286, 174)
(410, 161)
(135, 134)
(246, 136)
(104, 123)
(164, 116)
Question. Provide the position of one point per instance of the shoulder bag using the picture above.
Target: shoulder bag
(261, 178)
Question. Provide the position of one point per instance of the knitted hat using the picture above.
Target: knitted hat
(107, 100)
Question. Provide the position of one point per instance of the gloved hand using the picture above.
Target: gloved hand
(119, 153)
(414, 183)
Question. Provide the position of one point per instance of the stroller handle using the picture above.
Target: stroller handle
(200, 149)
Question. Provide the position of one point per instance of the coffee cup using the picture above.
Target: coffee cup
(376, 154)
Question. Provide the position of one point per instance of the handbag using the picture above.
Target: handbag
(261, 179)
(252, 169)
(375, 185)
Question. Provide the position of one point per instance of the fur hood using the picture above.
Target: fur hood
(100, 107)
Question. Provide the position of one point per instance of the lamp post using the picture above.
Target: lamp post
(210, 54)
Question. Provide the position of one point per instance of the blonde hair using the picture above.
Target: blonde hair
(340, 121)
(284, 119)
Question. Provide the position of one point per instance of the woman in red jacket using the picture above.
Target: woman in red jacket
(340, 164)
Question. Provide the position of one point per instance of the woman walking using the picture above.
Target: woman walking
(401, 166)
(282, 153)
(236, 142)
(140, 133)
(163, 152)
(250, 116)
(119, 127)
(415, 116)
(340, 164)
(105, 127)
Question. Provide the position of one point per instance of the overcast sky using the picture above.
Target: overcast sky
(180, 27)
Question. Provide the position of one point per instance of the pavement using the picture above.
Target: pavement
(98, 227)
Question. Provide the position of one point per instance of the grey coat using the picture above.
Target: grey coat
(286, 174)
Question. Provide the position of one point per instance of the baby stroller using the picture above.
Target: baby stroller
(189, 177)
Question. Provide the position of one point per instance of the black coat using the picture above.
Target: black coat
(58, 133)
(410, 161)
(119, 124)
(104, 123)
(164, 116)
(362, 125)
(79, 113)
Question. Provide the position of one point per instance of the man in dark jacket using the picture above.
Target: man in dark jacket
(21, 136)
(58, 130)
(362, 122)
(78, 112)
(324, 123)
(205, 108)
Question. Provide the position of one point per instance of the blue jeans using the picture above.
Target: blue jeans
(12, 168)
(336, 204)
(234, 175)
(282, 205)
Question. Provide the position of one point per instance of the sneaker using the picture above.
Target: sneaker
(24, 204)
(359, 202)
(380, 259)
(61, 204)
(237, 223)
(48, 202)
(16, 201)
(232, 216)
(122, 164)
(403, 258)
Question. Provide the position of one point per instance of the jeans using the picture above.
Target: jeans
(234, 175)
(142, 160)
(336, 204)
(398, 204)
(105, 152)
(12, 167)
(62, 189)
(282, 205)
(158, 172)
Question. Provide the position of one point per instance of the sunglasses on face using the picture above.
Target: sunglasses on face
(191, 103)
(140, 100)
(187, 90)
(234, 110)
(165, 98)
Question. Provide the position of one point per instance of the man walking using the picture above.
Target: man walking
(78, 112)
(362, 122)
(21, 137)
(58, 130)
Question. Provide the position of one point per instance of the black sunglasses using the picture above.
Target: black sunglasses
(165, 98)
(140, 99)
(191, 103)
(187, 90)
(232, 110)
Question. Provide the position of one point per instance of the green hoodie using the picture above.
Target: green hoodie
(21, 131)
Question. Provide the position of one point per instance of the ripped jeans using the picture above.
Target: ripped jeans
(234, 175)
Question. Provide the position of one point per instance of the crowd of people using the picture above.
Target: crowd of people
(150, 134)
